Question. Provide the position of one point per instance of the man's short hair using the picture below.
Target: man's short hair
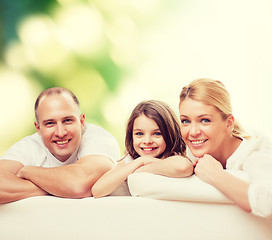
(53, 91)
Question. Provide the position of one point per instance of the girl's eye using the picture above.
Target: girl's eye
(185, 121)
(138, 133)
(157, 134)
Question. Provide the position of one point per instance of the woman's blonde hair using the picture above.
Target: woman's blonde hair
(212, 92)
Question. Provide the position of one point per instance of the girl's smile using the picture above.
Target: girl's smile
(147, 137)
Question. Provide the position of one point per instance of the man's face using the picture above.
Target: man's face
(60, 125)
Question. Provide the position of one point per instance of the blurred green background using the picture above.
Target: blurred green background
(113, 54)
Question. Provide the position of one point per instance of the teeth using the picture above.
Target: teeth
(147, 149)
(198, 141)
(62, 142)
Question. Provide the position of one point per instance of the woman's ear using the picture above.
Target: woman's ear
(230, 122)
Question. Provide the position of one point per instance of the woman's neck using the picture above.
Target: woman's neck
(230, 146)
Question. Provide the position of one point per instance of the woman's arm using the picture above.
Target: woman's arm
(113, 178)
(174, 166)
(211, 171)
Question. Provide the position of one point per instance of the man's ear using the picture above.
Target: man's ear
(82, 119)
(37, 126)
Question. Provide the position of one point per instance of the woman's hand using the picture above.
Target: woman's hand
(207, 168)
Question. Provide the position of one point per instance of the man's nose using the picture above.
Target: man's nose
(60, 130)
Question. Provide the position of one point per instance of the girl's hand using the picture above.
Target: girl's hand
(207, 168)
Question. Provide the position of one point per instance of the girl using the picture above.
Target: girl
(218, 142)
(153, 144)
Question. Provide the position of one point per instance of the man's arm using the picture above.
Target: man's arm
(12, 187)
(70, 181)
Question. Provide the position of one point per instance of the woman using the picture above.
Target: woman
(218, 142)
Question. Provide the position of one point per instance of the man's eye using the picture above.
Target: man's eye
(49, 124)
(68, 120)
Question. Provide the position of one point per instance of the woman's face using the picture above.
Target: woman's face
(203, 129)
(147, 137)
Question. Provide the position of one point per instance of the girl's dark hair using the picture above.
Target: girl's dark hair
(167, 122)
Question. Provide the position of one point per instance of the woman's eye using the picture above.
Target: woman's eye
(205, 120)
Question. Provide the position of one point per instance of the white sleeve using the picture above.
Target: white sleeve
(27, 151)
(260, 189)
(260, 199)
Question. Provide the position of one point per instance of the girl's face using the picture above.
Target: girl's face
(203, 128)
(147, 137)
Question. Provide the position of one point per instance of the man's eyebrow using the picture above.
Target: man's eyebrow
(48, 120)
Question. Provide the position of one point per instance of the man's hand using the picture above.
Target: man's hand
(71, 181)
(12, 187)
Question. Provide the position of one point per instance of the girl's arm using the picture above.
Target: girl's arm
(174, 166)
(113, 178)
(211, 171)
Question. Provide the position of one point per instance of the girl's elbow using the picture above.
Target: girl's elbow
(186, 170)
(96, 193)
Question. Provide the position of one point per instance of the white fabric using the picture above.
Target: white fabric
(252, 159)
(95, 141)
(254, 156)
(122, 189)
(180, 189)
(128, 159)
(127, 218)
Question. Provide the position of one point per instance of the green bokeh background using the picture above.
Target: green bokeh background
(114, 53)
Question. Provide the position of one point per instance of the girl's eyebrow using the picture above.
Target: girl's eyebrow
(137, 129)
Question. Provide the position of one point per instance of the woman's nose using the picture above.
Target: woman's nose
(194, 130)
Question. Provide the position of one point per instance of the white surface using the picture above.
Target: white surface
(128, 218)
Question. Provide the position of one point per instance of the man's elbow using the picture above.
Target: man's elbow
(83, 187)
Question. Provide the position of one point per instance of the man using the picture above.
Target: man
(64, 158)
